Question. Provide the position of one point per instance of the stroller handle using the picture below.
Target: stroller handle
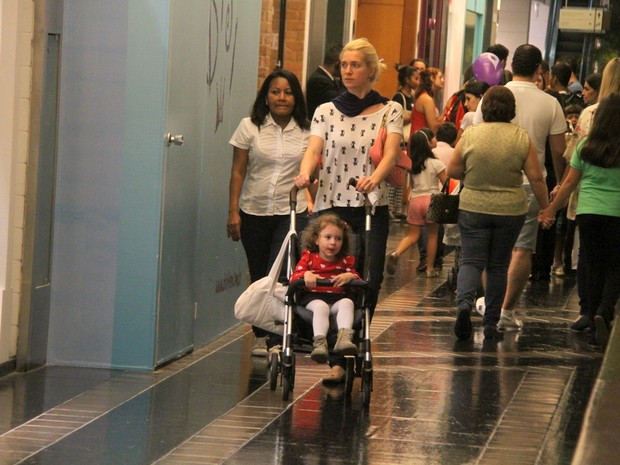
(353, 182)
(295, 190)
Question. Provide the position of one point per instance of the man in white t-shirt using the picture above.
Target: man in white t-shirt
(541, 115)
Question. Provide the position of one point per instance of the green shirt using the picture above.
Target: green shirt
(599, 191)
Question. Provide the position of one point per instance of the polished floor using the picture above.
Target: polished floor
(435, 400)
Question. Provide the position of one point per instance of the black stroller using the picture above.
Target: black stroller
(297, 335)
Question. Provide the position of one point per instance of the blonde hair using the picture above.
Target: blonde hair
(370, 56)
(610, 81)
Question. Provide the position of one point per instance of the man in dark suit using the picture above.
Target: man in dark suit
(324, 83)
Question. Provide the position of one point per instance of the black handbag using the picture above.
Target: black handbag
(444, 207)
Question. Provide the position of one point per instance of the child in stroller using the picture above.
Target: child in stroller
(326, 267)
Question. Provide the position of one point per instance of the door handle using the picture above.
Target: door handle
(174, 139)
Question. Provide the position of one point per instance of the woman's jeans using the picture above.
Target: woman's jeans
(486, 244)
(600, 241)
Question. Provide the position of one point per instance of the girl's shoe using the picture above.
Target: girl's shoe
(320, 353)
(344, 343)
(432, 273)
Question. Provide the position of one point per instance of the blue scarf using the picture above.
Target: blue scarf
(351, 105)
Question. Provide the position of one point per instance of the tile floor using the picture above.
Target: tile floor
(435, 400)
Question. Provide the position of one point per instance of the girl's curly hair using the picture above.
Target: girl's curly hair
(314, 228)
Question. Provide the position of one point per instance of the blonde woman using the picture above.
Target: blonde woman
(341, 135)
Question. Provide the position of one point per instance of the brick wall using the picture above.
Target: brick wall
(293, 38)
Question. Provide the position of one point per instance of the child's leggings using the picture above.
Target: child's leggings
(343, 309)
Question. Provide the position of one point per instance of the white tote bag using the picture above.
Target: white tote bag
(262, 303)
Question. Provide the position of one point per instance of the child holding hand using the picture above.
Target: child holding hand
(325, 257)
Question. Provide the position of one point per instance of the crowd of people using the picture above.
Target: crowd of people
(536, 152)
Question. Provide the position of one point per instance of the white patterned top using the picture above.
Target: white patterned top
(346, 146)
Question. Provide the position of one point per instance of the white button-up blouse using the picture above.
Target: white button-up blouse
(274, 159)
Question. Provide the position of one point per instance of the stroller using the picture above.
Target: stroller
(452, 238)
(297, 323)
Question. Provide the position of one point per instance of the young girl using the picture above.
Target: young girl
(325, 256)
(425, 174)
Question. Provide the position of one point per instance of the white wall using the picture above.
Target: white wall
(539, 17)
(513, 25)
(16, 32)
(454, 49)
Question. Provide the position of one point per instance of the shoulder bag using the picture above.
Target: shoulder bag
(263, 302)
(444, 207)
(398, 175)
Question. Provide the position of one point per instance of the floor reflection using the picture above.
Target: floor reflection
(436, 400)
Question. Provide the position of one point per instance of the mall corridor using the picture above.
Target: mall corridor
(436, 401)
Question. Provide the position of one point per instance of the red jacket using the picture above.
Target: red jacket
(312, 261)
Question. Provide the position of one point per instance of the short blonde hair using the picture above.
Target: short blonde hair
(610, 81)
(370, 56)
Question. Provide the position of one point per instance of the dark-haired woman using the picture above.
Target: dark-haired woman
(474, 90)
(425, 113)
(595, 166)
(591, 87)
(267, 151)
(408, 80)
(490, 158)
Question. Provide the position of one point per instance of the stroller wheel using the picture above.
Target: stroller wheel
(349, 375)
(366, 387)
(274, 361)
(288, 378)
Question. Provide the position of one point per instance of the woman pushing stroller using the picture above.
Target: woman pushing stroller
(326, 257)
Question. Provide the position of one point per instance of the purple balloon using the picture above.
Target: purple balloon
(488, 68)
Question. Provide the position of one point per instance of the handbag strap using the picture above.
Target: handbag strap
(277, 264)
(385, 115)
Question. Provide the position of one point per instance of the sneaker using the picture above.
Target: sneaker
(582, 323)
(259, 349)
(509, 324)
(480, 306)
(421, 266)
(557, 270)
(432, 274)
(462, 327)
(392, 262)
